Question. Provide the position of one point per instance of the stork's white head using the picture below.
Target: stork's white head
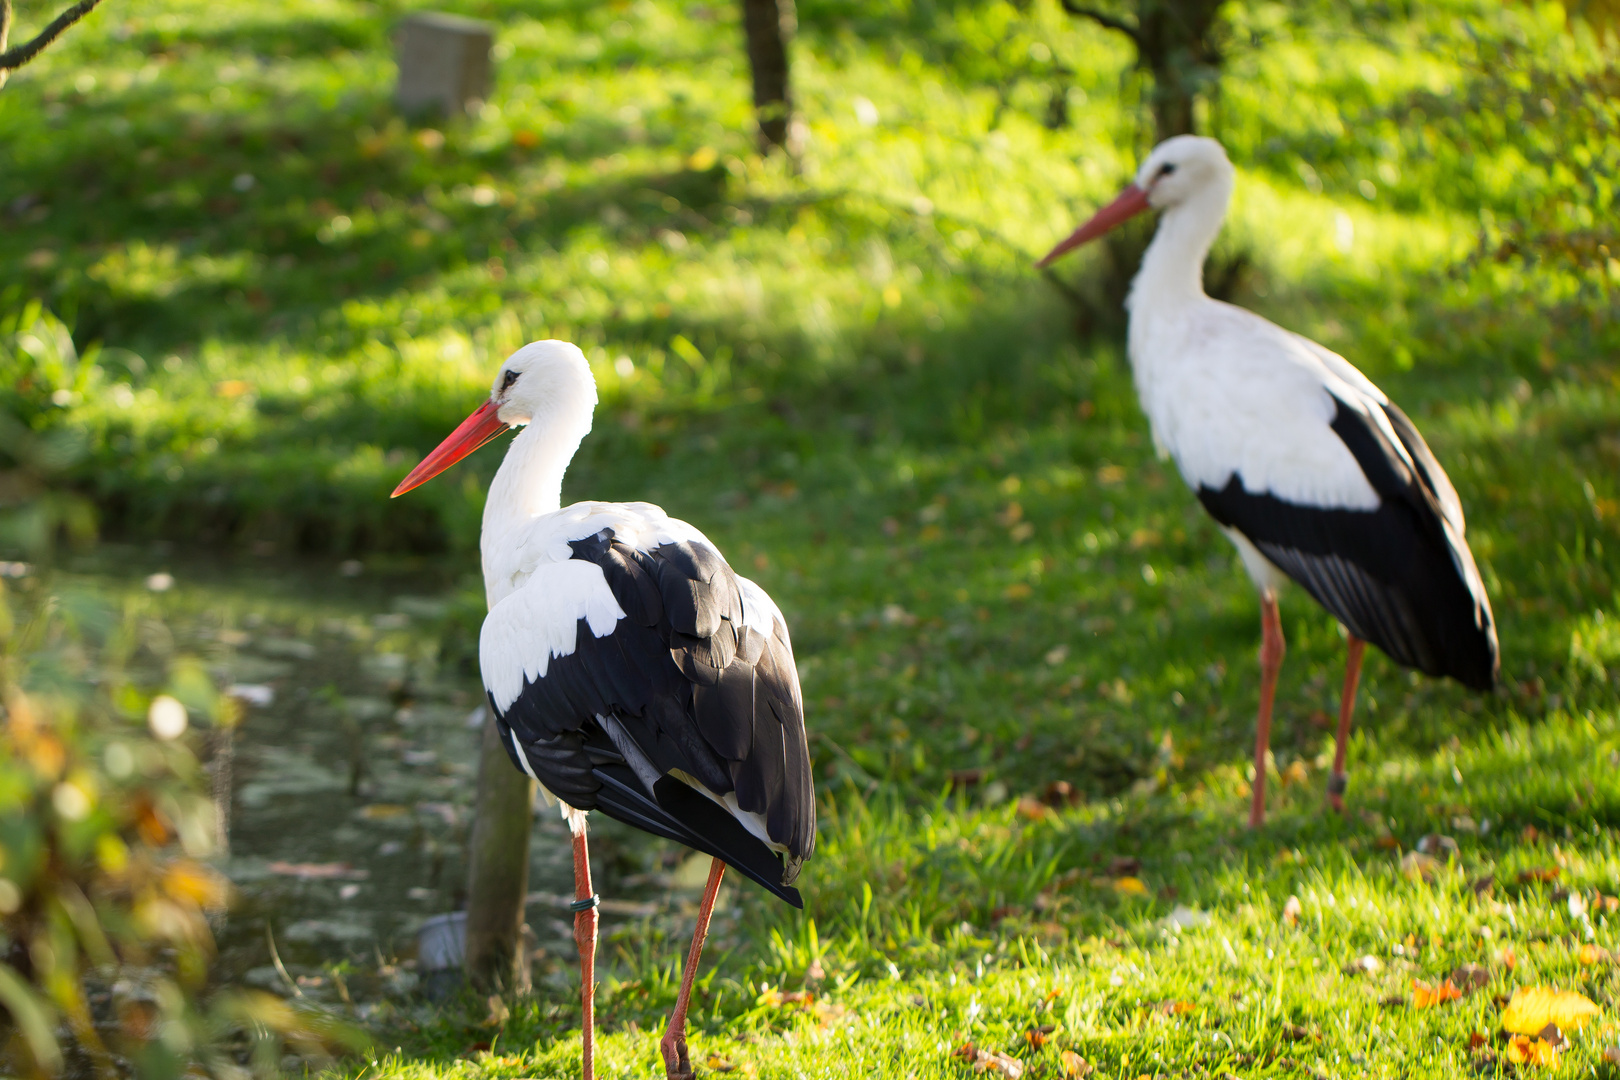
(545, 379)
(1180, 170)
(547, 383)
(1182, 167)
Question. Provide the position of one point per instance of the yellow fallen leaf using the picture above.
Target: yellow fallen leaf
(1523, 1050)
(1534, 1007)
(719, 1064)
(1130, 886)
(1591, 954)
(1074, 1066)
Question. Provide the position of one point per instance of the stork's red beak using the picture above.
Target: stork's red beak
(479, 428)
(1132, 201)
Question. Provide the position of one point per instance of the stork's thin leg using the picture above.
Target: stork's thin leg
(676, 1064)
(1272, 648)
(1347, 706)
(585, 938)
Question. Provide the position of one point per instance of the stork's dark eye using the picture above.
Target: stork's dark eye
(1167, 168)
(506, 382)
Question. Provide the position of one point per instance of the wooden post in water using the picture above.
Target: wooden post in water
(498, 871)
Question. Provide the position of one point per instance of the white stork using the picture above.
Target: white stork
(630, 669)
(1311, 471)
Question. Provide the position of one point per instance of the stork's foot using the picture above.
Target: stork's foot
(676, 1064)
(1337, 783)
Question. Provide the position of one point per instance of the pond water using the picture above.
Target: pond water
(353, 776)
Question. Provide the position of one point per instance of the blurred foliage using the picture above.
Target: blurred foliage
(107, 894)
(42, 376)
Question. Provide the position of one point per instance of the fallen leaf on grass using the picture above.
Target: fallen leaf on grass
(1438, 845)
(1470, 977)
(1418, 866)
(1591, 954)
(1033, 809)
(1074, 1066)
(1130, 886)
(1534, 1007)
(1175, 1008)
(1039, 1036)
(1510, 959)
(1424, 996)
(1475, 1040)
(1538, 873)
(1524, 1050)
(1612, 1055)
(719, 1064)
(990, 1061)
(1291, 911)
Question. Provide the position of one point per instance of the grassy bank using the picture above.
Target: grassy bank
(848, 376)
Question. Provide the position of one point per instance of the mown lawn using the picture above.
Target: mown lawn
(849, 377)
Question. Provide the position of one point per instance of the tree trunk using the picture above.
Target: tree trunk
(769, 25)
(498, 871)
(1175, 41)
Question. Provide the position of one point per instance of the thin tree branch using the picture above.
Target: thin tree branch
(25, 52)
(1102, 18)
(5, 32)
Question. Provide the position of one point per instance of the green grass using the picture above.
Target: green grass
(849, 377)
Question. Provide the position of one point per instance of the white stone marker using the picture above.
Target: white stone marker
(443, 62)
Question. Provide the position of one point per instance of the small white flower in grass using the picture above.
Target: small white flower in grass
(166, 717)
(161, 581)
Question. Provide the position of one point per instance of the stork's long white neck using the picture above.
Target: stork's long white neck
(1172, 273)
(527, 485)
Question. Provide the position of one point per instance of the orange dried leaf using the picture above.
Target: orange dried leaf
(1524, 1050)
(1538, 873)
(1039, 1036)
(1591, 954)
(1534, 1007)
(1425, 996)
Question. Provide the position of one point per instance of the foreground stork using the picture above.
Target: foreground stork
(1314, 474)
(630, 670)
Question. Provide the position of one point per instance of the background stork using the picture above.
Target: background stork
(630, 670)
(1312, 472)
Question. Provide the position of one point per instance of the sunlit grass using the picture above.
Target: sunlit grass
(849, 377)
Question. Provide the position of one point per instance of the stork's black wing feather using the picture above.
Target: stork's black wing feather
(680, 691)
(1400, 576)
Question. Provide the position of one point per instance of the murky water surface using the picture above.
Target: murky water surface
(353, 777)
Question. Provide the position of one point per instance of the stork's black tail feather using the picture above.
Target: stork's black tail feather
(687, 816)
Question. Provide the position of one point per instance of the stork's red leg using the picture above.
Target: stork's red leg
(1272, 648)
(676, 1064)
(585, 902)
(1347, 706)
